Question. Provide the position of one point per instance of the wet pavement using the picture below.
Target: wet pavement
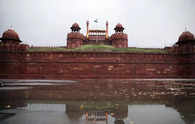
(14, 84)
(33, 84)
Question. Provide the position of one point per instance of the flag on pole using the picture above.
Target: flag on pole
(96, 20)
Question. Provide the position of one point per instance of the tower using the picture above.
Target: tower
(87, 35)
(10, 37)
(75, 38)
(185, 43)
(10, 41)
(106, 29)
(119, 39)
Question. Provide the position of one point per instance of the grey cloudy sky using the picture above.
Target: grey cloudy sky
(148, 23)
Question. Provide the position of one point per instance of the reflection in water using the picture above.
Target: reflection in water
(45, 107)
(153, 114)
(177, 111)
(186, 108)
(129, 103)
(96, 112)
(119, 122)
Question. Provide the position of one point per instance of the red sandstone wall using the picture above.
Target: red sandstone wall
(99, 65)
(120, 43)
(76, 43)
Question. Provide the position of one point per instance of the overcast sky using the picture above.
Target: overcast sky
(148, 23)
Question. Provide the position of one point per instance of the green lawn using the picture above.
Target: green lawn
(98, 48)
(46, 49)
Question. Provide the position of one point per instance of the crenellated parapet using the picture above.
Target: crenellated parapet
(119, 39)
(75, 38)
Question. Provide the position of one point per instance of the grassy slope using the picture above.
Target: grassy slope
(99, 48)
(46, 49)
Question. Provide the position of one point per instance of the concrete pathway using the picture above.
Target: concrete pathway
(14, 88)
(166, 79)
(35, 81)
(15, 84)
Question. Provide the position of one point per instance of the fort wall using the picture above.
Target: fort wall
(95, 65)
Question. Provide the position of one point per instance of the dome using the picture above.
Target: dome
(119, 25)
(10, 35)
(75, 27)
(186, 36)
(119, 28)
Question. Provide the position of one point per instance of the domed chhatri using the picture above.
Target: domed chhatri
(119, 28)
(10, 42)
(75, 27)
(186, 36)
(10, 36)
(185, 44)
(75, 38)
(119, 39)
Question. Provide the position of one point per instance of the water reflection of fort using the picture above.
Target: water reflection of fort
(117, 111)
(98, 111)
(44, 107)
(186, 108)
(101, 112)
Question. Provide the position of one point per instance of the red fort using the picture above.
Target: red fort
(19, 61)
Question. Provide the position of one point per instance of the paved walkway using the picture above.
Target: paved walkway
(166, 79)
(14, 88)
(35, 81)
(15, 84)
